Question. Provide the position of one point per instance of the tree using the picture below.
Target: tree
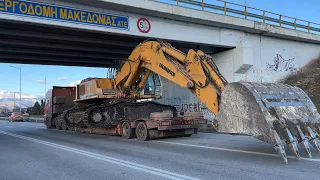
(29, 110)
(43, 104)
(36, 109)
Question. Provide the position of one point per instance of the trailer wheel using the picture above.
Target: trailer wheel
(126, 131)
(142, 132)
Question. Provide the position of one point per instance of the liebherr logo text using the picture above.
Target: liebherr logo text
(167, 69)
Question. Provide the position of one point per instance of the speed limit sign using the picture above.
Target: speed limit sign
(144, 25)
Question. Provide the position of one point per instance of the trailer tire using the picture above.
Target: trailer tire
(126, 131)
(142, 132)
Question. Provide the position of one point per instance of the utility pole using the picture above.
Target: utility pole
(20, 84)
(45, 86)
(20, 90)
(14, 101)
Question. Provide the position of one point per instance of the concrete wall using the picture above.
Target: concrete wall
(262, 58)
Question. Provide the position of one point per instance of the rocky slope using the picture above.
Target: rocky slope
(308, 79)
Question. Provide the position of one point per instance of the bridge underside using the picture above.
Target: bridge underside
(51, 45)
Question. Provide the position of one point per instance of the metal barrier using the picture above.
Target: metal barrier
(246, 12)
(37, 120)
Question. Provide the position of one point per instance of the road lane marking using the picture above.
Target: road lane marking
(148, 169)
(235, 150)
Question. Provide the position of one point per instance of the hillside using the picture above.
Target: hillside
(308, 79)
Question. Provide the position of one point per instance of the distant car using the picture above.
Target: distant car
(16, 116)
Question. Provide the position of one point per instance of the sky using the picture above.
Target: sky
(33, 76)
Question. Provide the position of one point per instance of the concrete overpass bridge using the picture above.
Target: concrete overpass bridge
(245, 45)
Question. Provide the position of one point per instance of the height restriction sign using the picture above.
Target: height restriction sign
(144, 25)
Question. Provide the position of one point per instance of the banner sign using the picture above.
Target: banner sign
(60, 13)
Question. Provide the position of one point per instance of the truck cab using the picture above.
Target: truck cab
(58, 99)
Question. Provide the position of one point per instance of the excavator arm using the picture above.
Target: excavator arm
(193, 71)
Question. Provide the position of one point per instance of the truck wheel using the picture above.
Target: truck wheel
(126, 131)
(142, 132)
(64, 127)
(48, 123)
(58, 124)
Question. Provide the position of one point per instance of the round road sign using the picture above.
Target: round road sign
(144, 25)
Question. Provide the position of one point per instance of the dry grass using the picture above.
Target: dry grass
(308, 79)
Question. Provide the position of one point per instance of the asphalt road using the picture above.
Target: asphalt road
(30, 151)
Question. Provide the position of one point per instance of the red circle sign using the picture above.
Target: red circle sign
(144, 25)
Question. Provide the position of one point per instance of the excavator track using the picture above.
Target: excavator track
(109, 115)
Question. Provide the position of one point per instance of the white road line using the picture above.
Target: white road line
(155, 171)
(236, 150)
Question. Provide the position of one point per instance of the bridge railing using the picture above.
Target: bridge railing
(247, 12)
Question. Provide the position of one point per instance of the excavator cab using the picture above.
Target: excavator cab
(153, 86)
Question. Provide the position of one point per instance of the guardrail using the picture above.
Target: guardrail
(247, 12)
(37, 120)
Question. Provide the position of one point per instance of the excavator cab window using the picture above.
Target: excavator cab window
(149, 87)
(158, 88)
(152, 85)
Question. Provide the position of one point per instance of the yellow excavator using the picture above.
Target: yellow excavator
(271, 112)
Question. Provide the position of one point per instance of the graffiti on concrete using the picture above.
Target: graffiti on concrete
(281, 64)
(193, 107)
(188, 104)
(189, 107)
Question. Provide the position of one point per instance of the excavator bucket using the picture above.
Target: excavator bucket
(275, 113)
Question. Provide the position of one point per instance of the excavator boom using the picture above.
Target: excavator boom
(271, 112)
(190, 71)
